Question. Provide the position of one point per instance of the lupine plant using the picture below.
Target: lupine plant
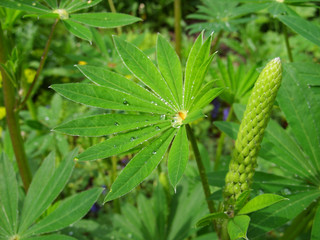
(162, 103)
(295, 151)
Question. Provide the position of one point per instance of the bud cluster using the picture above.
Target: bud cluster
(253, 125)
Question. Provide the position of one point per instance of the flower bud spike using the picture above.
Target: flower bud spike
(250, 135)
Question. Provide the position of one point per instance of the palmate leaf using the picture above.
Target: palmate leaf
(141, 166)
(45, 187)
(302, 111)
(178, 156)
(104, 20)
(78, 30)
(8, 197)
(122, 142)
(69, 211)
(25, 5)
(170, 67)
(280, 213)
(105, 97)
(101, 125)
(143, 68)
(106, 78)
(159, 95)
(72, 6)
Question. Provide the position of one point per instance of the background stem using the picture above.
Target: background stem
(286, 39)
(12, 118)
(202, 171)
(177, 25)
(113, 9)
(42, 61)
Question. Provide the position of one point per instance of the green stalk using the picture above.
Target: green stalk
(286, 39)
(221, 142)
(202, 171)
(12, 118)
(177, 25)
(113, 9)
(42, 62)
(116, 202)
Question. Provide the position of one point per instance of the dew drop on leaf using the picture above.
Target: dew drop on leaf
(125, 102)
(116, 124)
(132, 139)
(158, 128)
(154, 152)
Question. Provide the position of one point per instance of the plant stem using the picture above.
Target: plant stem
(113, 9)
(177, 25)
(221, 142)
(202, 171)
(12, 119)
(116, 202)
(286, 39)
(42, 61)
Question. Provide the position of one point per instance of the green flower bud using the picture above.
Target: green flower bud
(253, 125)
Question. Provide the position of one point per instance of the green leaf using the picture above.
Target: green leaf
(178, 156)
(140, 166)
(78, 29)
(52, 3)
(79, 4)
(303, 27)
(44, 188)
(51, 237)
(193, 116)
(199, 78)
(189, 66)
(104, 97)
(101, 125)
(229, 128)
(143, 68)
(8, 196)
(206, 220)
(106, 78)
(315, 234)
(122, 142)
(203, 100)
(170, 67)
(69, 211)
(242, 199)
(302, 110)
(104, 20)
(25, 5)
(260, 202)
(278, 214)
(238, 227)
(196, 70)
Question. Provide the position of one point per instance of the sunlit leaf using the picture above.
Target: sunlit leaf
(140, 166)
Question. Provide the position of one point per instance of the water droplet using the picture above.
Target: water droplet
(162, 117)
(46, 118)
(132, 139)
(260, 192)
(70, 233)
(125, 102)
(154, 152)
(158, 128)
(116, 124)
(286, 191)
(114, 146)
